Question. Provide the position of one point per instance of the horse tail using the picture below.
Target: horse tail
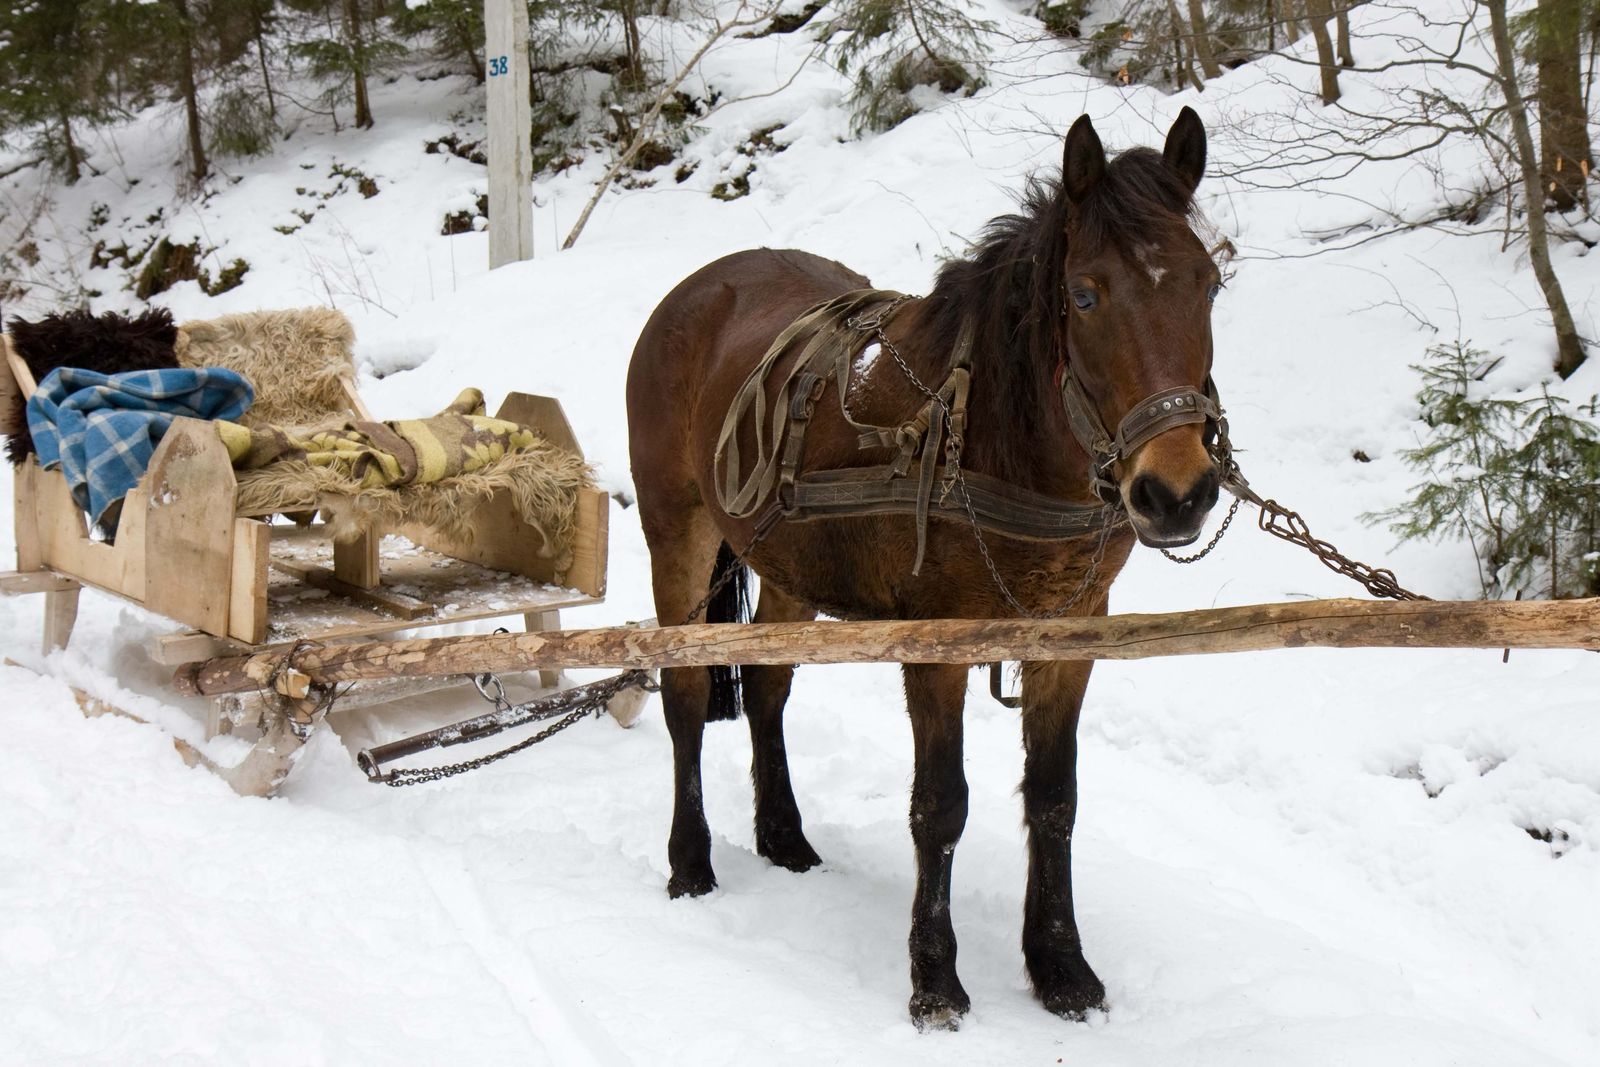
(730, 604)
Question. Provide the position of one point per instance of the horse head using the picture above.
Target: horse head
(1136, 292)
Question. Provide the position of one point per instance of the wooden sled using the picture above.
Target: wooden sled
(241, 583)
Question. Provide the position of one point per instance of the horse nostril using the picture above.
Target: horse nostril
(1201, 495)
(1150, 496)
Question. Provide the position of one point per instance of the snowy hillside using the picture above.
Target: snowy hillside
(1298, 857)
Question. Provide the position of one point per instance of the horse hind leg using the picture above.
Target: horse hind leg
(1052, 695)
(683, 551)
(766, 690)
(934, 697)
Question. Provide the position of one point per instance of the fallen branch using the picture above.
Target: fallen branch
(1306, 624)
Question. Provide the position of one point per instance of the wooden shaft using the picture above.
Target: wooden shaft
(1305, 624)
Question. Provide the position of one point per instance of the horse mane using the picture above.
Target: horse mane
(1011, 283)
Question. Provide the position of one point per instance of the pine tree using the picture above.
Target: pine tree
(356, 48)
(52, 53)
(892, 47)
(1518, 479)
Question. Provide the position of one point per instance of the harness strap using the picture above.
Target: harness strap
(999, 506)
(1153, 415)
(828, 338)
(740, 496)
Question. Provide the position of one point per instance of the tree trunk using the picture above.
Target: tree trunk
(1202, 40)
(1564, 154)
(1183, 69)
(261, 55)
(1569, 347)
(469, 48)
(74, 162)
(1291, 23)
(1317, 15)
(358, 66)
(191, 97)
(629, 10)
(1342, 26)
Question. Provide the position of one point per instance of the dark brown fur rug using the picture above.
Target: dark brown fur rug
(109, 343)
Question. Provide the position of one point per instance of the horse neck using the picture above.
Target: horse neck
(1016, 426)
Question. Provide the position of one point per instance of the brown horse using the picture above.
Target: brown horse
(1100, 277)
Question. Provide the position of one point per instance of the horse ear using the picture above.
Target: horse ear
(1084, 161)
(1185, 151)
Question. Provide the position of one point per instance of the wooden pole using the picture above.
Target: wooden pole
(1305, 624)
(510, 124)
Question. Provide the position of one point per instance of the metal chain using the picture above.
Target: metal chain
(1280, 522)
(1233, 509)
(595, 697)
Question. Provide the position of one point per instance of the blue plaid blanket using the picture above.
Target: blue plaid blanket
(101, 429)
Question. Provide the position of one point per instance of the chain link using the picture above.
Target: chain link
(1287, 525)
(1233, 509)
(590, 699)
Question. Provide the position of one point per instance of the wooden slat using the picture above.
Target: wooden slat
(25, 517)
(62, 532)
(247, 583)
(189, 527)
(387, 600)
(542, 414)
(23, 583)
(591, 543)
(358, 406)
(1257, 627)
(463, 592)
(355, 562)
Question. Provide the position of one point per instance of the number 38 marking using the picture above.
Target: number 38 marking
(498, 66)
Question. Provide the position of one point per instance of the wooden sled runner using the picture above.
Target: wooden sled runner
(240, 583)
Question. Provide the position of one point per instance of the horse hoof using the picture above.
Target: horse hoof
(789, 851)
(697, 884)
(1075, 1002)
(937, 1011)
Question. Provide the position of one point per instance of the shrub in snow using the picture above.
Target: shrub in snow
(1519, 479)
(897, 50)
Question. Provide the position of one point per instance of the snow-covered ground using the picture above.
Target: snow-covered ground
(1298, 857)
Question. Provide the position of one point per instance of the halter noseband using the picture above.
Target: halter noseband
(1153, 415)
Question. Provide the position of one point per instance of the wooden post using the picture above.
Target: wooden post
(60, 614)
(1253, 628)
(505, 25)
(536, 622)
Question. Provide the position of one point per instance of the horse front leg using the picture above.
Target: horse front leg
(1052, 695)
(934, 696)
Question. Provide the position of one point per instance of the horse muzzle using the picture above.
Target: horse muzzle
(1165, 515)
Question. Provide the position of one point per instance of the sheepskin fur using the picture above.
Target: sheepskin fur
(109, 343)
(294, 358)
(543, 481)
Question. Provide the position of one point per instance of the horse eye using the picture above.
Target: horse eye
(1085, 299)
(1211, 293)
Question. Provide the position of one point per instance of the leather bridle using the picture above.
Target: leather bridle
(1155, 414)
